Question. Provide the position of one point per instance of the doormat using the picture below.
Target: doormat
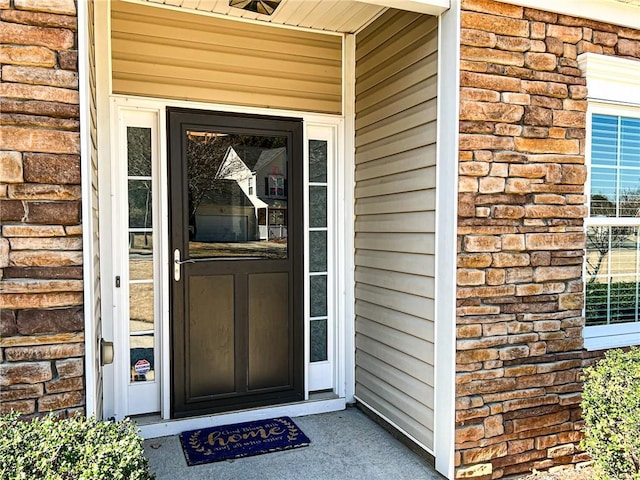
(241, 440)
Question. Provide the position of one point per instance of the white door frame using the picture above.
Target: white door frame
(325, 126)
(344, 378)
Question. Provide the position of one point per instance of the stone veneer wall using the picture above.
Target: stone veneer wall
(41, 323)
(521, 238)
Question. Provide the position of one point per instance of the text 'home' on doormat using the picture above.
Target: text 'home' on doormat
(241, 440)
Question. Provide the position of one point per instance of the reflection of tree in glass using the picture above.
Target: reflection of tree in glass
(601, 239)
(139, 165)
(317, 161)
(139, 151)
(205, 154)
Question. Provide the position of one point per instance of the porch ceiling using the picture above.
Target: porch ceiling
(347, 16)
(632, 2)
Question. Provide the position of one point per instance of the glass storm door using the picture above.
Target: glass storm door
(237, 261)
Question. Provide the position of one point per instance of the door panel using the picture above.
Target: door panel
(268, 330)
(236, 228)
(211, 335)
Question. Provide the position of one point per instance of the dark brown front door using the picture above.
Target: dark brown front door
(236, 261)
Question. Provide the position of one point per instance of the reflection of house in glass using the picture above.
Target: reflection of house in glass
(249, 199)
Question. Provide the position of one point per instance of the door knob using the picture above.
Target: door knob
(106, 352)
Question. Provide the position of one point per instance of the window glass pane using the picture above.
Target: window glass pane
(317, 161)
(318, 287)
(238, 195)
(140, 256)
(604, 140)
(603, 192)
(597, 304)
(318, 251)
(598, 246)
(139, 151)
(142, 362)
(140, 203)
(624, 253)
(318, 206)
(612, 265)
(318, 340)
(140, 307)
(630, 142)
(615, 172)
(629, 194)
(623, 303)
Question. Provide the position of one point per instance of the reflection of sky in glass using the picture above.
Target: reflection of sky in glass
(630, 142)
(615, 170)
(604, 137)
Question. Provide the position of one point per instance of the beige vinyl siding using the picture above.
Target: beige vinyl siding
(96, 307)
(167, 54)
(396, 66)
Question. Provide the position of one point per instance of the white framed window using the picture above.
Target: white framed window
(275, 186)
(612, 261)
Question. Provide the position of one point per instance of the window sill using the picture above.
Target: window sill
(603, 337)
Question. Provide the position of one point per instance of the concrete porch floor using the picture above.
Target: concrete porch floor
(344, 445)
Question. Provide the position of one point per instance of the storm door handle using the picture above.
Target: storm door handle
(177, 263)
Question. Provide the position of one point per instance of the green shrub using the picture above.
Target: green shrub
(73, 449)
(611, 411)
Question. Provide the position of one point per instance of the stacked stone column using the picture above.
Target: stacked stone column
(41, 323)
(521, 237)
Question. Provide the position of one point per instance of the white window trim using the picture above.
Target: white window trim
(613, 90)
(611, 79)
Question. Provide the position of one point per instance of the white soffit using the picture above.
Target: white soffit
(625, 13)
(430, 7)
(611, 79)
(343, 16)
